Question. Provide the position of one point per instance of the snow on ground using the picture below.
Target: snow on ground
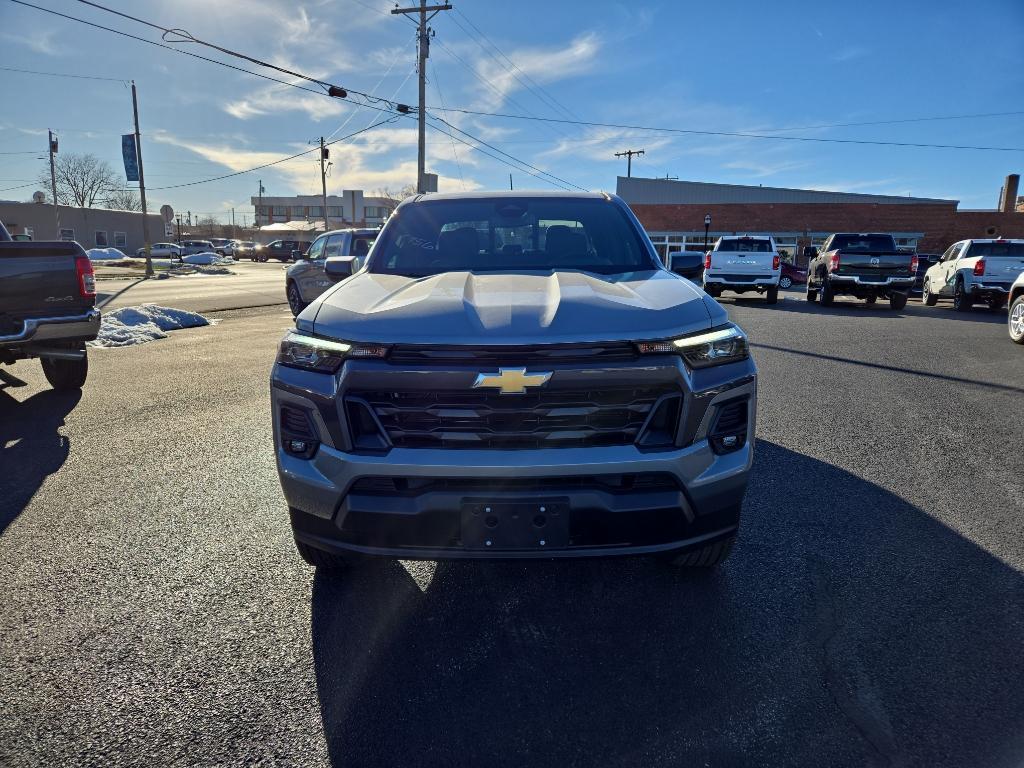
(105, 254)
(137, 325)
(207, 258)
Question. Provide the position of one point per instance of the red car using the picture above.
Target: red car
(791, 275)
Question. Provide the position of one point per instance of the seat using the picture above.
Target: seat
(566, 245)
(458, 248)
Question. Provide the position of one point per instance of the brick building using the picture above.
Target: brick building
(673, 213)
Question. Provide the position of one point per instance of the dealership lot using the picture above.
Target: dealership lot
(872, 613)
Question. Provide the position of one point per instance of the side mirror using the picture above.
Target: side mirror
(339, 267)
(296, 255)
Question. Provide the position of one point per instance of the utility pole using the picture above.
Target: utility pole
(510, 182)
(259, 208)
(53, 186)
(142, 185)
(233, 232)
(628, 154)
(324, 151)
(423, 38)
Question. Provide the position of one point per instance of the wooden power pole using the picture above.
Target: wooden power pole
(423, 38)
(628, 154)
(323, 179)
(142, 185)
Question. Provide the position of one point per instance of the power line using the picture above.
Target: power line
(63, 74)
(558, 179)
(732, 134)
(21, 152)
(893, 122)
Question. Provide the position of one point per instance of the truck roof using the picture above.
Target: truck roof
(506, 195)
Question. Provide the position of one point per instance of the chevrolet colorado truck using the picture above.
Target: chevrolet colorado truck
(741, 264)
(868, 266)
(47, 308)
(513, 375)
(974, 270)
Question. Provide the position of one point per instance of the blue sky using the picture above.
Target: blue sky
(718, 66)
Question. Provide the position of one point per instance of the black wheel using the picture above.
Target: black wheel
(785, 281)
(927, 297)
(706, 557)
(897, 300)
(996, 303)
(871, 299)
(772, 294)
(827, 296)
(320, 559)
(712, 291)
(812, 295)
(295, 302)
(65, 374)
(961, 299)
(1016, 320)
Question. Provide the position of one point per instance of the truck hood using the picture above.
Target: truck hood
(511, 308)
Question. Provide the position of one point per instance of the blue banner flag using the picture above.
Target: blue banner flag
(131, 159)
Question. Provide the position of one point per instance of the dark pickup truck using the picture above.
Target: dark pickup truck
(47, 308)
(867, 266)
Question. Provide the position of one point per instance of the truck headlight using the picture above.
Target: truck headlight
(311, 353)
(727, 344)
(723, 345)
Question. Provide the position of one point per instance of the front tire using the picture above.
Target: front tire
(897, 301)
(996, 303)
(812, 295)
(961, 299)
(65, 375)
(324, 560)
(772, 294)
(1015, 321)
(706, 557)
(295, 302)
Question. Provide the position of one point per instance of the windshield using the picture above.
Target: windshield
(863, 243)
(745, 245)
(510, 234)
(996, 249)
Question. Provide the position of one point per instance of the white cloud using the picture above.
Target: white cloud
(282, 98)
(759, 169)
(850, 53)
(37, 40)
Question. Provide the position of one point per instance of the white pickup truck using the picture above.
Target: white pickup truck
(741, 263)
(974, 270)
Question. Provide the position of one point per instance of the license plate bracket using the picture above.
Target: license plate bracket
(520, 524)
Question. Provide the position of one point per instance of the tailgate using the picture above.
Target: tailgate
(1003, 268)
(875, 264)
(743, 262)
(39, 279)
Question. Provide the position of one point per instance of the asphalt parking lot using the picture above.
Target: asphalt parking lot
(155, 611)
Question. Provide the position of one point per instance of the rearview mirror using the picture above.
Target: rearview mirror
(339, 267)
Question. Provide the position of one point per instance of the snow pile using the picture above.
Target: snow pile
(105, 254)
(207, 258)
(137, 325)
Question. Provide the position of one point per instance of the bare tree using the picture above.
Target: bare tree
(125, 199)
(82, 180)
(397, 196)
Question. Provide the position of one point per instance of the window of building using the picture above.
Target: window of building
(67, 235)
(375, 211)
(120, 239)
(316, 210)
(101, 239)
(280, 210)
(334, 210)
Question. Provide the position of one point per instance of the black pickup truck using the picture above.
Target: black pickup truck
(47, 308)
(864, 265)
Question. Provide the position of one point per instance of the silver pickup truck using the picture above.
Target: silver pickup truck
(308, 277)
(47, 308)
(514, 376)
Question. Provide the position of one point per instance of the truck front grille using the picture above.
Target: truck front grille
(547, 419)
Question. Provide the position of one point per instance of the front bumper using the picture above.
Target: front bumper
(617, 499)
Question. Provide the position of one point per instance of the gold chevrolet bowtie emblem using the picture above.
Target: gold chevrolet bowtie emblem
(511, 381)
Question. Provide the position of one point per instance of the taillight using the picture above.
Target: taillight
(833, 262)
(979, 267)
(707, 260)
(913, 265)
(86, 277)
(775, 262)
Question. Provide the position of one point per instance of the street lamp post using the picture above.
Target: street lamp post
(707, 226)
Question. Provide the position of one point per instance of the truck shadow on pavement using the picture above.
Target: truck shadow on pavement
(31, 446)
(848, 628)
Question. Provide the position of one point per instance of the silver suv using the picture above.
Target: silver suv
(514, 376)
(306, 278)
